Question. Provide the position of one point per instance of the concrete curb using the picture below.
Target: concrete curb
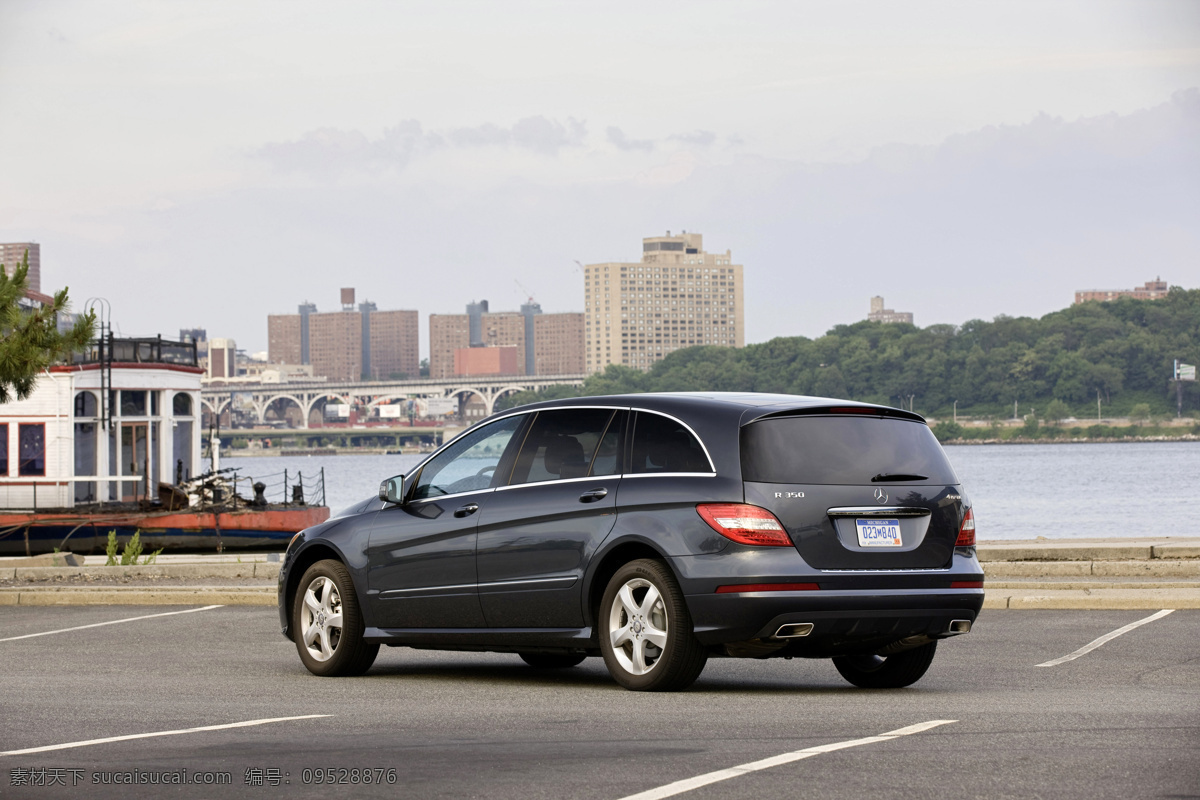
(1087, 551)
(1092, 599)
(141, 596)
(261, 570)
(1150, 568)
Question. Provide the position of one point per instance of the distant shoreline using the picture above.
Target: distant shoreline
(1186, 437)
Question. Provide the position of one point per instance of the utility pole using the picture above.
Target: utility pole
(1097, 405)
(955, 412)
(1182, 372)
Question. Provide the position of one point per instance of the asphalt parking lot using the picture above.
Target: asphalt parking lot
(1122, 720)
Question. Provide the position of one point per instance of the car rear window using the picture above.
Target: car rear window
(841, 450)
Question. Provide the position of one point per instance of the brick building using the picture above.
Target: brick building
(547, 344)
(1150, 290)
(350, 344)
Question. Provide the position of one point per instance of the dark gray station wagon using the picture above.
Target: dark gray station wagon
(656, 531)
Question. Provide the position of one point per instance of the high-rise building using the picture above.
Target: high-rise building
(676, 296)
(283, 339)
(1151, 290)
(558, 343)
(222, 358)
(880, 314)
(547, 344)
(347, 345)
(393, 346)
(11, 256)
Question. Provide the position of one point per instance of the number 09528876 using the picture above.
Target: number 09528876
(348, 777)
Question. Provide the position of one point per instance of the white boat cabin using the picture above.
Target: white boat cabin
(108, 428)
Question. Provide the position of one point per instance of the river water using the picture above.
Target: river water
(1059, 491)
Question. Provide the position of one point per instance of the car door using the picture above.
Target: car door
(421, 556)
(538, 532)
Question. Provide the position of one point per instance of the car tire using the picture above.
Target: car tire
(327, 622)
(646, 631)
(893, 672)
(552, 660)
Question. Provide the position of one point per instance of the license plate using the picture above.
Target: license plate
(878, 532)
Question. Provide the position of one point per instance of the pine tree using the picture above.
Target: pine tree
(30, 340)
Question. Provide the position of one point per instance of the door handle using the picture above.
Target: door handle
(592, 495)
(467, 510)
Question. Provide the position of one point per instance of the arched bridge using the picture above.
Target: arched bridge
(258, 397)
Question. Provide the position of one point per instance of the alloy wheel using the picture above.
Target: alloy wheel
(637, 626)
(321, 618)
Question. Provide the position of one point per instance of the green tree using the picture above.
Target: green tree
(1140, 412)
(1056, 411)
(30, 340)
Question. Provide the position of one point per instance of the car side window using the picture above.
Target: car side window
(661, 444)
(468, 464)
(569, 443)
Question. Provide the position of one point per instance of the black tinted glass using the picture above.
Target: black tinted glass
(563, 445)
(660, 444)
(840, 450)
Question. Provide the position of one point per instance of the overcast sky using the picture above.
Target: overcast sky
(205, 164)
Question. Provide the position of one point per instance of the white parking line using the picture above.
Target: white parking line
(113, 622)
(686, 785)
(87, 742)
(1108, 637)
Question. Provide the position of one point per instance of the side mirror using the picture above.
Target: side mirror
(392, 490)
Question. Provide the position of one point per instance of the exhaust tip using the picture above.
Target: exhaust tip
(794, 630)
(960, 626)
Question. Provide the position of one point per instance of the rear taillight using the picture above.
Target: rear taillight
(966, 531)
(745, 524)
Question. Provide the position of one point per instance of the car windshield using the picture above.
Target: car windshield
(842, 450)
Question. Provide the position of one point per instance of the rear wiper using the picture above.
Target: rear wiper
(898, 476)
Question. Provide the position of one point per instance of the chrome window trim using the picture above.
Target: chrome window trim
(711, 467)
(445, 497)
(671, 475)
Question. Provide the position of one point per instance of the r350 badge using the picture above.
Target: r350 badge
(789, 495)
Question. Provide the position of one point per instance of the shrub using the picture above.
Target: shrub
(133, 549)
(110, 549)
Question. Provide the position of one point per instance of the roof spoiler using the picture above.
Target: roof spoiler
(848, 409)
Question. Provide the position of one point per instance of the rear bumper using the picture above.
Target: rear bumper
(843, 621)
(849, 611)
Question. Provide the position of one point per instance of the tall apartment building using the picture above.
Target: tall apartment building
(346, 345)
(676, 296)
(880, 314)
(1151, 290)
(222, 358)
(548, 344)
(11, 255)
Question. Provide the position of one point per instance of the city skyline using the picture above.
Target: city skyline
(945, 156)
